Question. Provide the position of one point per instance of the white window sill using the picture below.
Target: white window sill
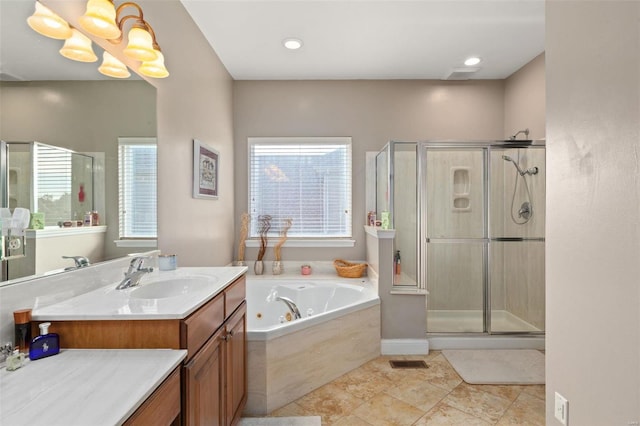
(338, 242)
(137, 243)
(55, 231)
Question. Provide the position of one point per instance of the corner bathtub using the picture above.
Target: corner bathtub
(339, 331)
(318, 301)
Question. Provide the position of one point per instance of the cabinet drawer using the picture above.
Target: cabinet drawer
(162, 407)
(234, 295)
(198, 327)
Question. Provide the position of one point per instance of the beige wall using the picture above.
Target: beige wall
(593, 206)
(193, 102)
(524, 100)
(372, 113)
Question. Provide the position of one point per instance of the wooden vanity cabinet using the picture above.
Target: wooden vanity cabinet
(215, 386)
(236, 364)
(203, 388)
(215, 372)
(162, 408)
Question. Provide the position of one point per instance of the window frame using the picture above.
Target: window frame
(135, 241)
(303, 241)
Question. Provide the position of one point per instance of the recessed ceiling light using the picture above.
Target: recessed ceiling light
(474, 60)
(292, 43)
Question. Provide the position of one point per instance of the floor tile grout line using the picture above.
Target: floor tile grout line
(380, 371)
(509, 407)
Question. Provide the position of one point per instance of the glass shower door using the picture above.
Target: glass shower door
(454, 194)
(517, 247)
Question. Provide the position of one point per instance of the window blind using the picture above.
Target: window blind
(137, 181)
(305, 179)
(53, 183)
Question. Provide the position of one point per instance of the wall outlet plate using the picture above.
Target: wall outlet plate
(561, 410)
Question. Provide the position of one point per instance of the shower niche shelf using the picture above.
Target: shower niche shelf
(460, 189)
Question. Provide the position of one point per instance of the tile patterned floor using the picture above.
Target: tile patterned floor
(377, 395)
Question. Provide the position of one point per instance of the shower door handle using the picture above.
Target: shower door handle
(456, 240)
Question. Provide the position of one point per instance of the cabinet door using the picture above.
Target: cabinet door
(204, 387)
(236, 364)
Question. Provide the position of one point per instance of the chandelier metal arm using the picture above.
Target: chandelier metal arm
(140, 22)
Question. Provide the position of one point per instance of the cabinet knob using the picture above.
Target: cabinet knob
(224, 337)
(230, 333)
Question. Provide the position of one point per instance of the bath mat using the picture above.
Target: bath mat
(498, 366)
(281, 421)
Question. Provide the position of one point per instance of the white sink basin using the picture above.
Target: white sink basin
(160, 295)
(174, 287)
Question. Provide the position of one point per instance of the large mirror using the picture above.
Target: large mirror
(50, 99)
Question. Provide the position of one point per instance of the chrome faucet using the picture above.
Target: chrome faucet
(134, 273)
(80, 261)
(291, 305)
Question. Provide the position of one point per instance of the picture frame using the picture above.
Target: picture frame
(206, 166)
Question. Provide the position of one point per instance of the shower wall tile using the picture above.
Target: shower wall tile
(454, 277)
(444, 220)
(503, 180)
(524, 278)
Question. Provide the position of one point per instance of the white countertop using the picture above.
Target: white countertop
(84, 386)
(107, 303)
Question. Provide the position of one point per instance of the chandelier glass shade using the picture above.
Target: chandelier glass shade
(78, 48)
(100, 19)
(47, 23)
(112, 67)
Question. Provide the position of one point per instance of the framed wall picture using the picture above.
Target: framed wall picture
(206, 162)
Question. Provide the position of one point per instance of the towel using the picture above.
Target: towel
(19, 221)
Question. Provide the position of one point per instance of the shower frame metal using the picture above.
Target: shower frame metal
(486, 147)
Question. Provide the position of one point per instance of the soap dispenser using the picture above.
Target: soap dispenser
(44, 345)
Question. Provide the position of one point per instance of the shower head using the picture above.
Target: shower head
(530, 171)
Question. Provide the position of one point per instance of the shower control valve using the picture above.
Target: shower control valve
(525, 210)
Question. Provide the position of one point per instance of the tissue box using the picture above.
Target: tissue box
(37, 221)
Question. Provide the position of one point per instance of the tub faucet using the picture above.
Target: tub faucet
(134, 273)
(291, 305)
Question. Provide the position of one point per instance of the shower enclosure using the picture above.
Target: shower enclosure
(469, 220)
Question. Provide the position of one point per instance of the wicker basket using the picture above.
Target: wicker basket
(349, 270)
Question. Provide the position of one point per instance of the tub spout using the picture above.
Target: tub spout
(291, 305)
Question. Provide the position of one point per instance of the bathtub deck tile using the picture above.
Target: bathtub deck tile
(298, 363)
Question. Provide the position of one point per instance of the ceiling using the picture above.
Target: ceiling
(347, 39)
(356, 39)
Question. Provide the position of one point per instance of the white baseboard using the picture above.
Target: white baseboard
(404, 346)
(486, 342)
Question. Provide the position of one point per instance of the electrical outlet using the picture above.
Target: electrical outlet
(562, 409)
